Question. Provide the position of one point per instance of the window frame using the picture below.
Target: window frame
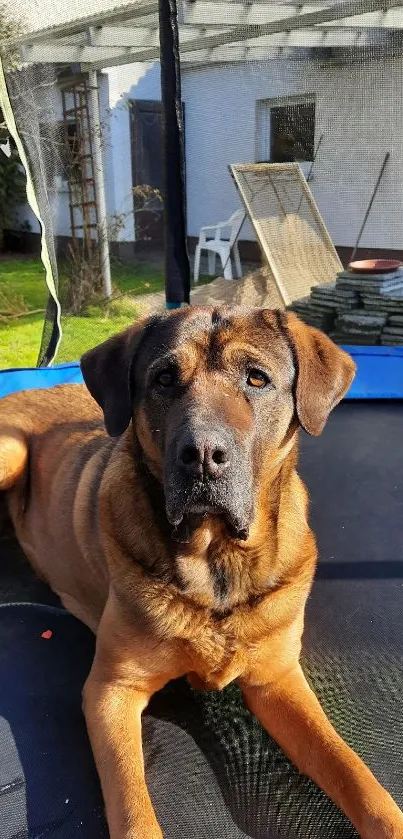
(263, 134)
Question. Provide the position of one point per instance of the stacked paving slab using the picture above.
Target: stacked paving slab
(357, 308)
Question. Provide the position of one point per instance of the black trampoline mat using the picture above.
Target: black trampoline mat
(211, 770)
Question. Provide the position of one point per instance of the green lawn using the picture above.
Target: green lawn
(23, 280)
(20, 339)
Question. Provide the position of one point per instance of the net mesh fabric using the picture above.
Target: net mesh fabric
(247, 786)
(211, 769)
(352, 655)
(296, 244)
(32, 92)
(242, 103)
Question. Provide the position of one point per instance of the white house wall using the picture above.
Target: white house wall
(359, 110)
(60, 198)
(61, 211)
(134, 81)
(48, 110)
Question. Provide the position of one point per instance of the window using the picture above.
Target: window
(285, 130)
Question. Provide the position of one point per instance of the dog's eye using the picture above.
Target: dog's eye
(166, 378)
(257, 379)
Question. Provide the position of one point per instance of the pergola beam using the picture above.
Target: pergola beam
(390, 19)
(340, 11)
(239, 53)
(212, 13)
(296, 22)
(102, 44)
(256, 48)
(65, 54)
(131, 11)
(97, 146)
(284, 26)
(128, 36)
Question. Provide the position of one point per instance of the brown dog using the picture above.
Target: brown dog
(183, 542)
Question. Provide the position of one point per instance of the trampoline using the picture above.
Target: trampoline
(129, 118)
(210, 768)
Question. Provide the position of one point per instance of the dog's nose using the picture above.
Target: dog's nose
(204, 457)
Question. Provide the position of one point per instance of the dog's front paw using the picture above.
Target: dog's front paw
(386, 824)
(140, 833)
(143, 834)
(146, 830)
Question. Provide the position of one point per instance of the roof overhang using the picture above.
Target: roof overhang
(215, 31)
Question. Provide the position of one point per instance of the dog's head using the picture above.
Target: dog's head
(214, 396)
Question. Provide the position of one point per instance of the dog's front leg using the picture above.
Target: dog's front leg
(125, 673)
(293, 716)
(113, 717)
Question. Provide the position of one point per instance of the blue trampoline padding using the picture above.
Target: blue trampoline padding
(379, 374)
(30, 378)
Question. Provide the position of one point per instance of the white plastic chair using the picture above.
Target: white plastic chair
(210, 240)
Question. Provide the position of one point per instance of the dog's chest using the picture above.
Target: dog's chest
(211, 632)
(219, 578)
(213, 661)
(219, 613)
(219, 651)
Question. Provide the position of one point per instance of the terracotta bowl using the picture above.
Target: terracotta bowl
(375, 266)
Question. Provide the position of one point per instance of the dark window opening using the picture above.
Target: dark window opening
(292, 133)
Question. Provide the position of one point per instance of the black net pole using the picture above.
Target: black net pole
(177, 269)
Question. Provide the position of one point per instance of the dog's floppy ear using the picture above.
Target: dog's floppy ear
(106, 371)
(324, 374)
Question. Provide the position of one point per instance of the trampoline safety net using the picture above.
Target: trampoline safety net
(225, 152)
(141, 125)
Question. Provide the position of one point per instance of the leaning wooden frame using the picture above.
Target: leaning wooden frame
(289, 227)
